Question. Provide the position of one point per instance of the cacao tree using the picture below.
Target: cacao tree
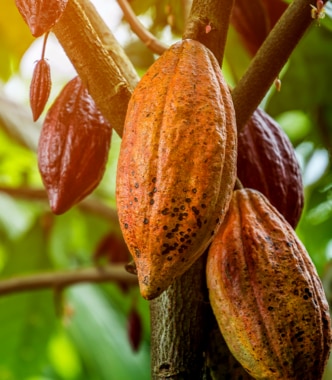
(242, 89)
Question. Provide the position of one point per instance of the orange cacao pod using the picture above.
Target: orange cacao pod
(266, 294)
(73, 147)
(267, 163)
(177, 164)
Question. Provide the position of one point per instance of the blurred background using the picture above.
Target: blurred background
(101, 332)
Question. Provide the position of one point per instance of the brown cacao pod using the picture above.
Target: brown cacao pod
(266, 294)
(73, 147)
(177, 164)
(267, 163)
(253, 20)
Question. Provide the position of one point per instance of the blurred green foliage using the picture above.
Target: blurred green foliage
(89, 339)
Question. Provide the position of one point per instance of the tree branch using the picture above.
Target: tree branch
(60, 280)
(144, 35)
(270, 59)
(101, 74)
(91, 205)
(213, 13)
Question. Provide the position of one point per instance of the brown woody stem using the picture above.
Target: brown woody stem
(216, 14)
(63, 279)
(270, 59)
(142, 33)
(93, 62)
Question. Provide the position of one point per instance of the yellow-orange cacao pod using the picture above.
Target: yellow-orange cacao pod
(266, 294)
(177, 164)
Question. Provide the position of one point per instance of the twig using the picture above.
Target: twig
(91, 205)
(143, 34)
(60, 280)
(270, 59)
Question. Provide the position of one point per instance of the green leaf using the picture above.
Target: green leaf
(99, 333)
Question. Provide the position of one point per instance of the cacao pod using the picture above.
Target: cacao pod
(266, 294)
(40, 88)
(267, 163)
(177, 164)
(73, 147)
(41, 15)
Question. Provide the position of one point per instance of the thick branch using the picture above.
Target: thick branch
(92, 61)
(62, 279)
(270, 59)
(215, 14)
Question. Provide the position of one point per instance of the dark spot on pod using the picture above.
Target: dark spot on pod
(270, 308)
(165, 211)
(212, 233)
(154, 179)
(169, 258)
(189, 241)
(186, 236)
(204, 195)
(305, 297)
(176, 209)
(165, 228)
(146, 221)
(126, 226)
(151, 201)
(296, 292)
(217, 220)
(169, 235)
(172, 215)
(183, 259)
(185, 190)
(182, 240)
(182, 207)
(205, 221)
(203, 205)
(173, 200)
(194, 191)
(195, 210)
(188, 229)
(136, 185)
(135, 199)
(193, 234)
(158, 289)
(188, 200)
(137, 252)
(180, 250)
(199, 223)
(154, 190)
(176, 228)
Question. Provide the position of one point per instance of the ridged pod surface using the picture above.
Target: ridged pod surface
(266, 295)
(267, 163)
(177, 164)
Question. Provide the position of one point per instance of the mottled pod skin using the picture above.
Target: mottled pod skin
(266, 295)
(267, 163)
(177, 164)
